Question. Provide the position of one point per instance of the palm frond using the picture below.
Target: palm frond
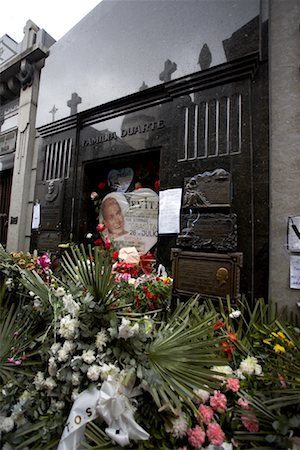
(92, 270)
(96, 439)
(182, 355)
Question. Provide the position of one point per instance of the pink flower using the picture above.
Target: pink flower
(93, 195)
(45, 262)
(215, 434)
(250, 422)
(100, 227)
(206, 413)
(182, 448)
(196, 436)
(243, 403)
(218, 402)
(233, 384)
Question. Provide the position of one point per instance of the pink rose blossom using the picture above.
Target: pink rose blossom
(100, 227)
(206, 413)
(196, 437)
(94, 195)
(218, 402)
(215, 434)
(233, 384)
(243, 403)
(250, 422)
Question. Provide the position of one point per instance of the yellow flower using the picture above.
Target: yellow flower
(274, 334)
(267, 341)
(278, 348)
(281, 335)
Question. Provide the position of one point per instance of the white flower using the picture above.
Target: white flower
(101, 339)
(75, 380)
(88, 356)
(75, 395)
(52, 367)
(55, 347)
(226, 370)
(57, 404)
(7, 446)
(37, 304)
(109, 369)
(126, 331)
(202, 395)
(93, 372)
(59, 292)
(39, 381)
(68, 327)
(179, 426)
(249, 366)
(7, 424)
(70, 306)
(235, 314)
(67, 349)
(49, 384)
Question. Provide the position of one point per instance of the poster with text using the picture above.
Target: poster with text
(131, 218)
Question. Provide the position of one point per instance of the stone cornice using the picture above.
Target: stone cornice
(244, 67)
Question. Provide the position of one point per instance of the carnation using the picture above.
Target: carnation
(233, 384)
(52, 367)
(218, 402)
(75, 380)
(49, 384)
(7, 424)
(206, 413)
(93, 372)
(226, 370)
(108, 370)
(59, 292)
(88, 356)
(215, 434)
(249, 366)
(67, 349)
(179, 426)
(196, 436)
(243, 403)
(250, 422)
(55, 347)
(68, 327)
(70, 306)
(126, 330)
(101, 339)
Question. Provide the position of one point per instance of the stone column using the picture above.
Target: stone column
(284, 52)
(19, 224)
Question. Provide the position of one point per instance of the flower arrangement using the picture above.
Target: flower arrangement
(109, 361)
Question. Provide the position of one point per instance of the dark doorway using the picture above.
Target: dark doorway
(5, 191)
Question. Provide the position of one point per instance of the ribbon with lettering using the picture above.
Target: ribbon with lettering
(113, 406)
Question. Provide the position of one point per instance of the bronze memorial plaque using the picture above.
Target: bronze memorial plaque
(212, 275)
(48, 240)
(202, 231)
(50, 195)
(207, 190)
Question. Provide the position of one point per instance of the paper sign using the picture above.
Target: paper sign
(169, 211)
(36, 217)
(295, 272)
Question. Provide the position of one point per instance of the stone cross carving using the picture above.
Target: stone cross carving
(53, 111)
(143, 87)
(170, 67)
(205, 57)
(73, 102)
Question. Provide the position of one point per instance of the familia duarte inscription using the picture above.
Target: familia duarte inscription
(108, 136)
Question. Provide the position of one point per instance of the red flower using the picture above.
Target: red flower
(227, 348)
(115, 255)
(102, 185)
(98, 242)
(138, 185)
(218, 325)
(157, 185)
(100, 227)
(233, 337)
(107, 243)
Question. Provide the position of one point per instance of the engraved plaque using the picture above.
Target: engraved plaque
(50, 194)
(207, 190)
(212, 275)
(204, 231)
(48, 240)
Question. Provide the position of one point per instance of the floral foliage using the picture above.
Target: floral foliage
(193, 376)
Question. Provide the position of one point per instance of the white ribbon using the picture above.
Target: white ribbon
(111, 404)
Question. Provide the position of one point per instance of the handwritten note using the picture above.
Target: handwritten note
(295, 272)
